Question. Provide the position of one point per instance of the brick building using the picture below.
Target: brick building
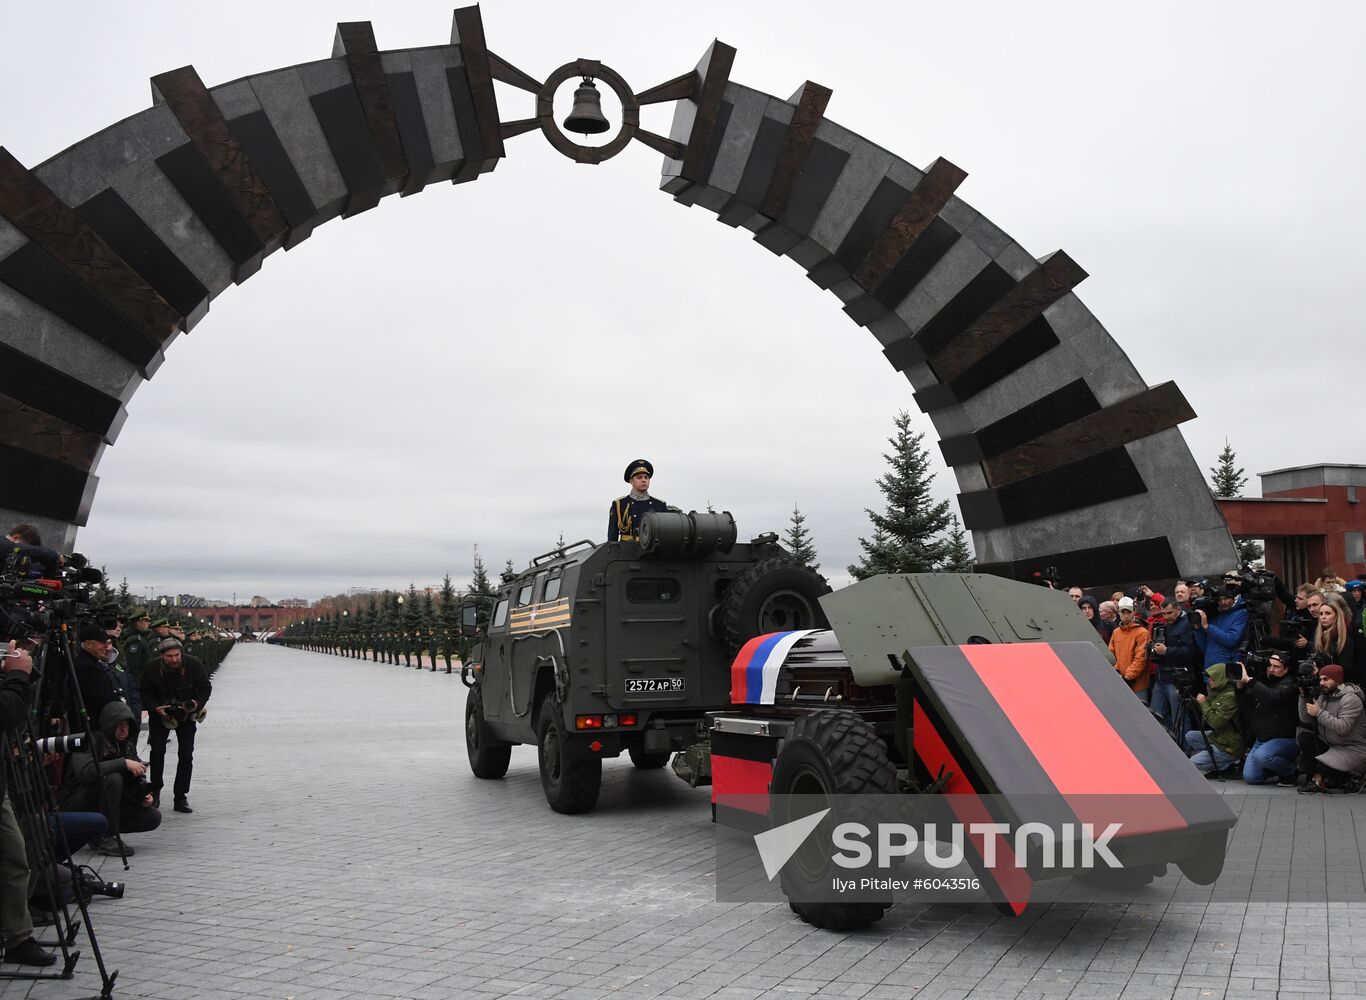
(1310, 517)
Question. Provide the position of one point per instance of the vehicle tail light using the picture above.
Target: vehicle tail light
(588, 722)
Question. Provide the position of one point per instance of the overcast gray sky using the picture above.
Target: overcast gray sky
(476, 365)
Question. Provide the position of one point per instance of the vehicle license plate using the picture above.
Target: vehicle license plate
(654, 685)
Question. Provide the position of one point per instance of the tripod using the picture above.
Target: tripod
(45, 842)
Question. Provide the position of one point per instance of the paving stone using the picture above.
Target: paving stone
(340, 848)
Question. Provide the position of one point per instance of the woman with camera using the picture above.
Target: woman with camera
(1333, 746)
(1335, 641)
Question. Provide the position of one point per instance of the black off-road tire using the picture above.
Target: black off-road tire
(832, 752)
(773, 595)
(486, 761)
(571, 785)
(648, 761)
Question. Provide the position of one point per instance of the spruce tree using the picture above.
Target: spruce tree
(958, 558)
(1227, 479)
(448, 599)
(797, 540)
(124, 596)
(480, 583)
(907, 536)
(509, 572)
(412, 614)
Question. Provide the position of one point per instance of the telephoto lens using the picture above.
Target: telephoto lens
(60, 744)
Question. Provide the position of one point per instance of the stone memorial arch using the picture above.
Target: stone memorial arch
(1064, 456)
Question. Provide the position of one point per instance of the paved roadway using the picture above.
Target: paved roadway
(340, 848)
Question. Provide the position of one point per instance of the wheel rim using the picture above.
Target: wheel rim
(551, 748)
(472, 728)
(785, 610)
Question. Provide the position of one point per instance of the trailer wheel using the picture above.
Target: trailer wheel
(775, 595)
(648, 761)
(571, 785)
(486, 761)
(829, 752)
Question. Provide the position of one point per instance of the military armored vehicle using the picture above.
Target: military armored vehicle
(965, 686)
(595, 650)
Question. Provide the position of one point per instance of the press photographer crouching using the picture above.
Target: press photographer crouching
(1267, 683)
(1216, 745)
(1333, 744)
(112, 780)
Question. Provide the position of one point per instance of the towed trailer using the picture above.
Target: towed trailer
(994, 695)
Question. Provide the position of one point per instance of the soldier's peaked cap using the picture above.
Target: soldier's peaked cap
(639, 465)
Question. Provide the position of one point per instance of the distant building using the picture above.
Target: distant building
(295, 602)
(1309, 517)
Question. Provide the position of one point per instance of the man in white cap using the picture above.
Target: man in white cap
(1129, 643)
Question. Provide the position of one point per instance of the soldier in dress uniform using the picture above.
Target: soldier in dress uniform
(137, 645)
(623, 518)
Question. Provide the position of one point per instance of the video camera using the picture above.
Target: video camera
(1306, 675)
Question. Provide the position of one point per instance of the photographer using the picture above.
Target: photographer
(15, 920)
(1173, 651)
(1273, 720)
(1299, 624)
(174, 689)
(1220, 638)
(1333, 747)
(1217, 746)
(109, 778)
(27, 543)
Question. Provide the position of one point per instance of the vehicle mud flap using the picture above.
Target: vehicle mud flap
(693, 765)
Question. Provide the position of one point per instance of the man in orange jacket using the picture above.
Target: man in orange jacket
(1129, 643)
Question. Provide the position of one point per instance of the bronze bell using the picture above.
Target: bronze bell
(586, 116)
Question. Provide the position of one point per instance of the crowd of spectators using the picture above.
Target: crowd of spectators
(102, 789)
(1243, 691)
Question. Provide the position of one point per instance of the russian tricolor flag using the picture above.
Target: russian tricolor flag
(754, 674)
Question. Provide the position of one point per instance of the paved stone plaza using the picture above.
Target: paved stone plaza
(341, 848)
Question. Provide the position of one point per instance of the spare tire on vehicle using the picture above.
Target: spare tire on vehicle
(774, 595)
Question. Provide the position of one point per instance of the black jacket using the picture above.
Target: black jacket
(1350, 657)
(82, 788)
(98, 687)
(1274, 714)
(171, 687)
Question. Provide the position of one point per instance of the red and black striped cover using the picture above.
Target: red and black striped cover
(1053, 728)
